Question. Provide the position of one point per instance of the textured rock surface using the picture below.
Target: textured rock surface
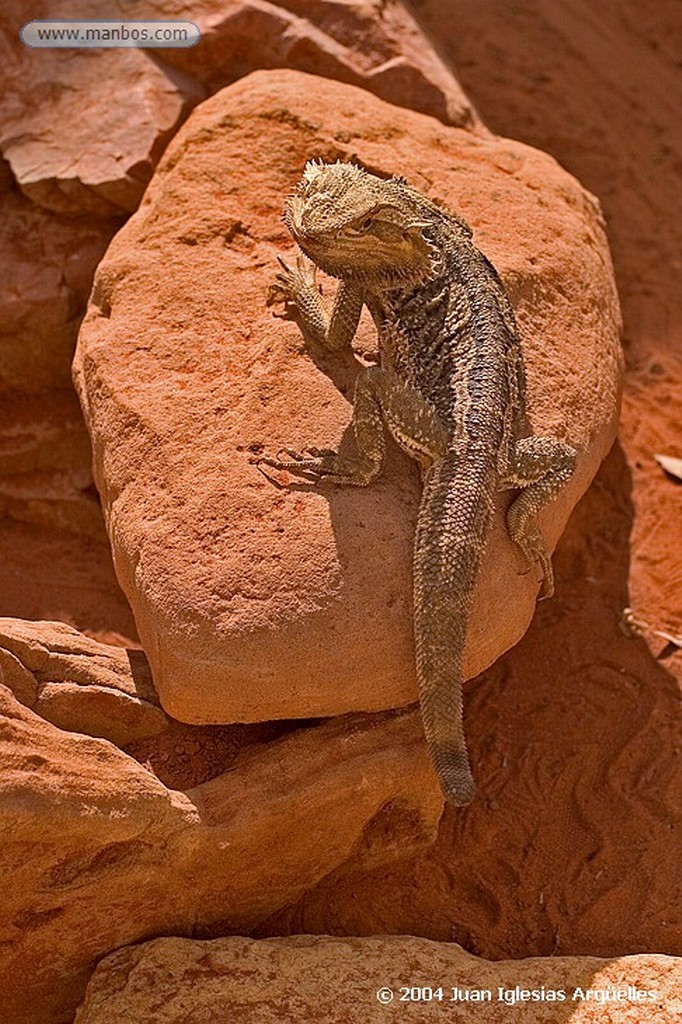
(56, 568)
(372, 43)
(53, 547)
(136, 98)
(288, 981)
(79, 684)
(255, 602)
(95, 852)
(48, 265)
(45, 477)
(96, 155)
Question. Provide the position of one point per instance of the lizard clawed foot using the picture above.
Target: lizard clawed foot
(321, 453)
(532, 544)
(547, 588)
(290, 282)
(320, 464)
(540, 556)
(542, 559)
(315, 462)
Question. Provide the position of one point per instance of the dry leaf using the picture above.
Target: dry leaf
(670, 465)
(633, 626)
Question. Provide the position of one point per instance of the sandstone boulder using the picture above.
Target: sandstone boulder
(90, 143)
(79, 684)
(373, 980)
(96, 852)
(255, 602)
(375, 44)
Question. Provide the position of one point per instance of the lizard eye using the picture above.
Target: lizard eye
(361, 227)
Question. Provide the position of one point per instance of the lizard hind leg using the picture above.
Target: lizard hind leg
(540, 466)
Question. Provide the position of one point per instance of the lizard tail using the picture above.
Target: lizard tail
(451, 533)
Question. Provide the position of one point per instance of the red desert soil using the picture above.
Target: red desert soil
(584, 861)
(587, 862)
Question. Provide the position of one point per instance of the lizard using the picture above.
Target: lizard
(450, 389)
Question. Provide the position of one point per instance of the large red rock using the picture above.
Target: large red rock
(79, 684)
(373, 980)
(96, 852)
(255, 602)
(375, 44)
(233, 588)
(103, 116)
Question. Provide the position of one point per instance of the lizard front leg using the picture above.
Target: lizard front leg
(541, 466)
(332, 331)
(382, 400)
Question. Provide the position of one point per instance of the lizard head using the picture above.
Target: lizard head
(352, 224)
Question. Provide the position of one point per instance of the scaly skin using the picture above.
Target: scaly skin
(450, 390)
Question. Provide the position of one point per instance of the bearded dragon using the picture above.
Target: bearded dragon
(451, 391)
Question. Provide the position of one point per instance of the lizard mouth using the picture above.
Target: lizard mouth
(408, 259)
